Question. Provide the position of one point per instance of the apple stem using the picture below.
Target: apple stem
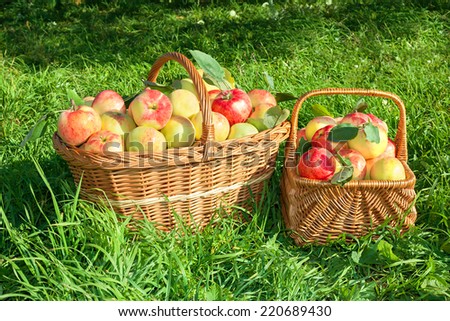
(228, 95)
(74, 106)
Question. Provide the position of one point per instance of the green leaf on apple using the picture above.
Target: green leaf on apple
(275, 116)
(73, 96)
(345, 174)
(303, 146)
(319, 110)
(257, 122)
(212, 68)
(279, 97)
(372, 133)
(361, 105)
(36, 131)
(342, 132)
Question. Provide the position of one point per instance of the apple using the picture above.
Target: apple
(151, 108)
(179, 132)
(317, 163)
(184, 103)
(261, 97)
(117, 122)
(240, 130)
(360, 143)
(221, 126)
(356, 118)
(317, 123)
(259, 113)
(358, 162)
(390, 151)
(388, 168)
(188, 84)
(145, 139)
(378, 122)
(234, 104)
(103, 141)
(88, 100)
(75, 126)
(367, 148)
(320, 139)
(108, 100)
(213, 94)
(301, 133)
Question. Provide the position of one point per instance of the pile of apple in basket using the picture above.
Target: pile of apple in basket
(353, 147)
(155, 121)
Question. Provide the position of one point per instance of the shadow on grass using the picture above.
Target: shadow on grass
(127, 32)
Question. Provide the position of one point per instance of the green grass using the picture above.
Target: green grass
(55, 246)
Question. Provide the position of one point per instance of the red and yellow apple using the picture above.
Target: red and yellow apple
(317, 163)
(358, 162)
(316, 123)
(378, 122)
(184, 103)
(234, 104)
(388, 168)
(356, 118)
(75, 126)
(117, 122)
(390, 151)
(320, 139)
(151, 108)
(301, 133)
(221, 126)
(240, 130)
(145, 139)
(179, 132)
(108, 100)
(261, 97)
(103, 141)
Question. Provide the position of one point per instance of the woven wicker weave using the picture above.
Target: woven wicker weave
(190, 181)
(317, 211)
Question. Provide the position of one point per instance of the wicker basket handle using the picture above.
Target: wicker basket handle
(400, 137)
(207, 125)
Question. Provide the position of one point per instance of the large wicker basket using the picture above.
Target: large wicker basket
(188, 183)
(318, 212)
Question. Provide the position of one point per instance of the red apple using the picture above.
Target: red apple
(151, 108)
(317, 163)
(301, 133)
(108, 100)
(75, 126)
(234, 104)
(104, 141)
(261, 97)
(320, 139)
(358, 162)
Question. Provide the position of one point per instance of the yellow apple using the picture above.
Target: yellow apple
(389, 168)
(179, 132)
(104, 141)
(145, 139)
(316, 123)
(184, 103)
(75, 126)
(117, 122)
(221, 126)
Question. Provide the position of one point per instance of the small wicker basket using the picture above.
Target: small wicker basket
(318, 212)
(190, 183)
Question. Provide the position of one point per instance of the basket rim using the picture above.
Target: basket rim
(262, 141)
(409, 181)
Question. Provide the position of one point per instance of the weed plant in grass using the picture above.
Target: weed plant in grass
(55, 246)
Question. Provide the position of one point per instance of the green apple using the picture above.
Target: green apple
(240, 130)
